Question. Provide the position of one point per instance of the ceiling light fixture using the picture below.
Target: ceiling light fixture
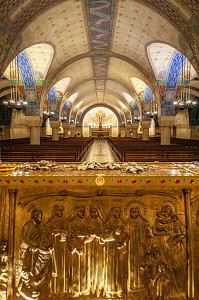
(183, 100)
(16, 101)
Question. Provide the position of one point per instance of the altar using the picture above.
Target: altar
(100, 133)
(111, 230)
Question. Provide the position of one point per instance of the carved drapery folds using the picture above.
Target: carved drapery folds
(124, 250)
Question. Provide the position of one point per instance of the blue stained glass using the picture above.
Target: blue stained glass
(26, 71)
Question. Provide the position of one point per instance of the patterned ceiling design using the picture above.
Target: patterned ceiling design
(100, 16)
(99, 45)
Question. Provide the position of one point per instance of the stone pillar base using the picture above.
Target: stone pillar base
(72, 130)
(128, 130)
(34, 135)
(134, 129)
(55, 130)
(145, 130)
(166, 124)
(66, 129)
(55, 134)
(34, 122)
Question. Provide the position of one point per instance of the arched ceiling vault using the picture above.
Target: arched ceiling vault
(110, 97)
(111, 85)
(100, 45)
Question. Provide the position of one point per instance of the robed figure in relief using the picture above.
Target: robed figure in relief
(115, 239)
(96, 252)
(170, 234)
(36, 256)
(57, 228)
(139, 239)
(77, 236)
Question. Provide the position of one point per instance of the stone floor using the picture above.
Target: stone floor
(100, 151)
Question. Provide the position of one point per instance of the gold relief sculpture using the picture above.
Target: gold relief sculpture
(96, 252)
(57, 229)
(195, 218)
(169, 234)
(3, 269)
(84, 254)
(76, 241)
(140, 235)
(115, 238)
(36, 256)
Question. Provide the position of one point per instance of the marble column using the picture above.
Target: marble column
(128, 130)
(65, 126)
(181, 123)
(145, 130)
(134, 128)
(166, 123)
(72, 130)
(34, 123)
(78, 131)
(55, 130)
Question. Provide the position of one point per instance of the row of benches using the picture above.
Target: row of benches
(128, 149)
(65, 150)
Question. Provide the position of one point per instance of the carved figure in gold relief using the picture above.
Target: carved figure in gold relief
(140, 234)
(3, 269)
(195, 251)
(169, 233)
(57, 228)
(161, 281)
(36, 256)
(115, 239)
(96, 252)
(176, 238)
(163, 223)
(76, 242)
(149, 266)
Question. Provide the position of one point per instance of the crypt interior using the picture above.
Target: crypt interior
(99, 149)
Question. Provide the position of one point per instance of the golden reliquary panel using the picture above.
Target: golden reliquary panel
(85, 243)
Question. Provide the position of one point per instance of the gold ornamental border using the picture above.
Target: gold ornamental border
(100, 180)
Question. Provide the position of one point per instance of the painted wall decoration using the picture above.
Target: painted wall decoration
(26, 71)
(107, 117)
(27, 75)
(66, 110)
(52, 100)
(135, 110)
(148, 97)
(167, 107)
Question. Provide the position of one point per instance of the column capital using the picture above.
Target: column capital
(72, 126)
(166, 121)
(128, 126)
(135, 125)
(34, 121)
(187, 191)
(65, 125)
(54, 124)
(146, 124)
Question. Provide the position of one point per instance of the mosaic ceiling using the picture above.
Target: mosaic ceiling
(99, 51)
